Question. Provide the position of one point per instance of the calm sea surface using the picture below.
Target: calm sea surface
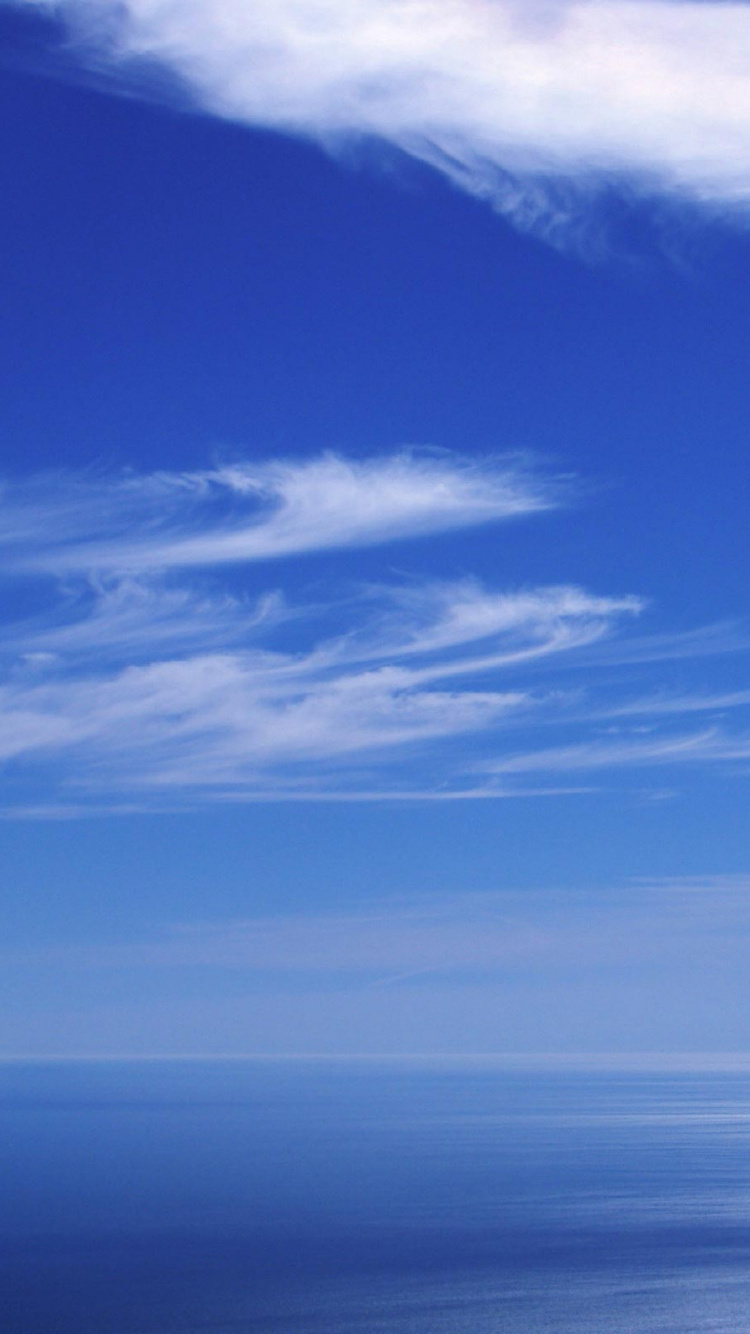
(388, 1197)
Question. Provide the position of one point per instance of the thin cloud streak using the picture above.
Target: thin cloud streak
(532, 106)
(710, 745)
(659, 705)
(704, 641)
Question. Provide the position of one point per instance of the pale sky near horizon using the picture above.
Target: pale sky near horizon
(375, 558)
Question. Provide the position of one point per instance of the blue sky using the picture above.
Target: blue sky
(375, 635)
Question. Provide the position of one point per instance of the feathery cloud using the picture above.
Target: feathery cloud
(254, 716)
(135, 680)
(261, 511)
(146, 670)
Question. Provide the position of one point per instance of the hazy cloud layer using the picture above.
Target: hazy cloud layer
(532, 104)
(457, 938)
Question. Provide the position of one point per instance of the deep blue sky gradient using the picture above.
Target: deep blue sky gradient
(177, 289)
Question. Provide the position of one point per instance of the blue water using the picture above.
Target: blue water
(387, 1197)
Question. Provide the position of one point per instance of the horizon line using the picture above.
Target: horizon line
(626, 1060)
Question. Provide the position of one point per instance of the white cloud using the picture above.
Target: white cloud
(260, 511)
(529, 103)
(442, 616)
(139, 678)
(134, 680)
(254, 716)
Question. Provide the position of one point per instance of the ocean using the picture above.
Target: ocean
(382, 1196)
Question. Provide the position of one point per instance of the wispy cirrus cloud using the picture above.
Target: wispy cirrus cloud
(530, 104)
(243, 511)
(251, 717)
(105, 619)
(154, 664)
(133, 674)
